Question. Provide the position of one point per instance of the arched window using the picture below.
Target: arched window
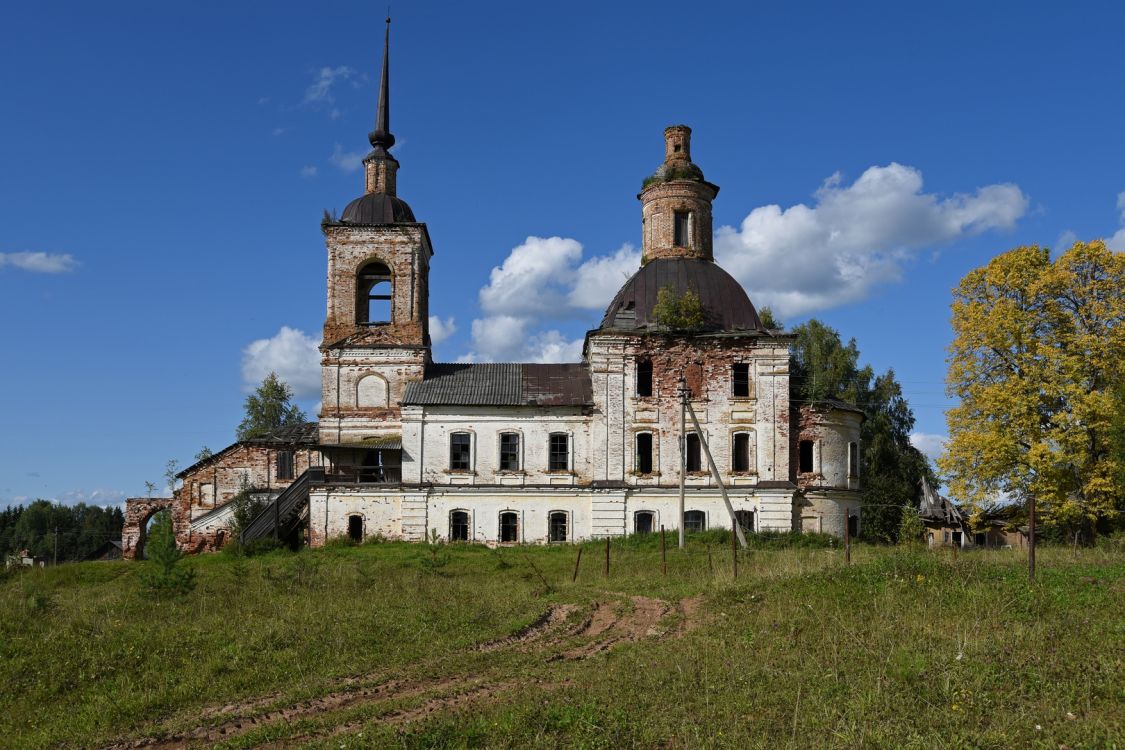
(509, 527)
(373, 295)
(371, 391)
(694, 452)
(740, 452)
(557, 526)
(695, 520)
(644, 453)
(459, 526)
(643, 522)
(355, 528)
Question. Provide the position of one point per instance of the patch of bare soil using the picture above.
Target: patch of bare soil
(603, 629)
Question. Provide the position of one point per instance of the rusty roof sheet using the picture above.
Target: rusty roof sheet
(502, 384)
(725, 303)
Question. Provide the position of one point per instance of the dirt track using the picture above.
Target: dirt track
(553, 636)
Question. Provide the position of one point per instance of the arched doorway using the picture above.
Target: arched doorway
(355, 528)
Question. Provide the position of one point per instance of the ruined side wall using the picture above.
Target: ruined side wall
(830, 430)
(216, 482)
(138, 510)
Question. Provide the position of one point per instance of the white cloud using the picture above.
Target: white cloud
(39, 262)
(1117, 241)
(1065, 240)
(929, 444)
(533, 278)
(294, 356)
(309, 170)
(854, 237)
(505, 338)
(321, 89)
(100, 497)
(348, 161)
(599, 278)
(279, 131)
(440, 329)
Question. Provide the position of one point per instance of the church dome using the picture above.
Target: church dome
(377, 208)
(725, 303)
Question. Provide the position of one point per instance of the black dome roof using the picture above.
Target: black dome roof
(378, 208)
(725, 303)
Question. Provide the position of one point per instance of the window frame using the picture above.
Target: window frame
(749, 468)
(500, 527)
(637, 464)
(695, 514)
(681, 233)
(367, 282)
(468, 451)
(652, 523)
(353, 517)
(642, 375)
(289, 464)
(853, 460)
(468, 524)
(552, 454)
(551, 516)
(518, 451)
(698, 453)
(737, 371)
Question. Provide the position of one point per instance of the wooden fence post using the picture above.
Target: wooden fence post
(734, 553)
(577, 562)
(607, 557)
(847, 536)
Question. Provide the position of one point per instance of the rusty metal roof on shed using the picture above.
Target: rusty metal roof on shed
(507, 384)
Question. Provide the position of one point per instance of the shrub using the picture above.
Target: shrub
(680, 312)
(910, 528)
(163, 574)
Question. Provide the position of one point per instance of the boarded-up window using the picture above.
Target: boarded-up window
(644, 377)
(284, 465)
(740, 380)
(644, 452)
(643, 522)
(682, 229)
(371, 391)
(805, 461)
(745, 520)
(207, 494)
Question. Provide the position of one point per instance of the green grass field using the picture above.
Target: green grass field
(397, 645)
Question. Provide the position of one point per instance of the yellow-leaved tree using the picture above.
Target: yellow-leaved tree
(1036, 363)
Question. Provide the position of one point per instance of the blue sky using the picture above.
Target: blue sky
(163, 170)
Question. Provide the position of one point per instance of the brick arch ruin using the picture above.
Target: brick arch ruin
(138, 511)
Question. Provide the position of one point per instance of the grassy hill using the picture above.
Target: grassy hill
(397, 645)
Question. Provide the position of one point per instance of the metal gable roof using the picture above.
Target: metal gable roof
(503, 384)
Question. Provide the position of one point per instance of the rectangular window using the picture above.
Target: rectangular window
(741, 458)
(285, 464)
(682, 229)
(558, 458)
(853, 459)
(644, 377)
(509, 451)
(805, 463)
(740, 380)
(695, 521)
(459, 451)
(557, 531)
(694, 462)
(644, 452)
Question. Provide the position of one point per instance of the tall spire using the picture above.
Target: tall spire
(381, 137)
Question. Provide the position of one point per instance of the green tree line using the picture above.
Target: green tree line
(82, 529)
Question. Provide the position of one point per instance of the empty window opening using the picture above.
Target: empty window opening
(740, 380)
(373, 288)
(693, 457)
(558, 458)
(745, 520)
(355, 528)
(682, 229)
(853, 459)
(740, 458)
(558, 526)
(644, 377)
(694, 520)
(459, 451)
(644, 521)
(285, 464)
(676, 148)
(509, 527)
(644, 452)
(980, 540)
(509, 451)
(805, 462)
(853, 526)
(459, 526)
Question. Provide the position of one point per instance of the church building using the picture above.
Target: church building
(509, 453)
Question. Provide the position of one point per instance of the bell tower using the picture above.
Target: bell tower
(676, 204)
(376, 333)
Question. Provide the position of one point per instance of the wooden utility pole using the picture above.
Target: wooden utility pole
(1031, 539)
(663, 553)
(683, 452)
(848, 536)
(577, 562)
(736, 527)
